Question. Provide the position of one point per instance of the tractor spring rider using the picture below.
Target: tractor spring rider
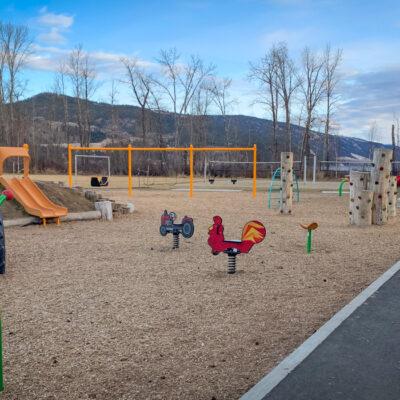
(253, 232)
(186, 227)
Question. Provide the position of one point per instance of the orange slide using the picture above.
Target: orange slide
(25, 191)
(32, 198)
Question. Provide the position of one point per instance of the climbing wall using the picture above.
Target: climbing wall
(286, 190)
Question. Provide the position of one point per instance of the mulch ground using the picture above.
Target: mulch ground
(107, 310)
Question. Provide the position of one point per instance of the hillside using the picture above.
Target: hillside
(246, 130)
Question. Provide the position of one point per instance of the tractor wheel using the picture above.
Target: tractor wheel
(163, 230)
(187, 230)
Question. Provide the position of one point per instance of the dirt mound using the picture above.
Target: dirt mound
(63, 196)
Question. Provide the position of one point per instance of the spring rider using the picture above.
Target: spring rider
(253, 232)
(309, 228)
(185, 228)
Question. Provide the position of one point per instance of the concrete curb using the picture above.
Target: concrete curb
(77, 216)
(271, 380)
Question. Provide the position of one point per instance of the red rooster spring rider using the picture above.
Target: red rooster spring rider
(253, 232)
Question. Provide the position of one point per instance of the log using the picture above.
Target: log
(105, 208)
(360, 208)
(392, 200)
(380, 185)
(362, 214)
(286, 183)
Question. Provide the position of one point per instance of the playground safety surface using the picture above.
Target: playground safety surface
(101, 310)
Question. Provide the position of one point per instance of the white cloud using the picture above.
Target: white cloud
(108, 65)
(61, 21)
(53, 26)
(53, 36)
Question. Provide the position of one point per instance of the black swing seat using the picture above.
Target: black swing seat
(96, 182)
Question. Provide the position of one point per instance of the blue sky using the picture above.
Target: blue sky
(229, 34)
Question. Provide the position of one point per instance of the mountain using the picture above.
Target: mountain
(48, 109)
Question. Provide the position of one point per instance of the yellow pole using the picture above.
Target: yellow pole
(70, 166)
(129, 170)
(191, 171)
(254, 170)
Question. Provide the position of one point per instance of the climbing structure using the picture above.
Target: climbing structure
(274, 189)
(286, 189)
(373, 195)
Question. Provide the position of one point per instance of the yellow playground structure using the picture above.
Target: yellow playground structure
(25, 191)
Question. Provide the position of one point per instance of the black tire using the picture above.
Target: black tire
(2, 247)
(187, 230)
(163, 230)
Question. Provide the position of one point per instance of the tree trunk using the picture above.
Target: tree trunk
(380, 185)
(360, 209)
(286, 183)
(288, 131)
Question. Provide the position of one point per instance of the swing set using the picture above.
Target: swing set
(191, 150)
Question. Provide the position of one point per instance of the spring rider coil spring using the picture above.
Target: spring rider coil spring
(175, 240)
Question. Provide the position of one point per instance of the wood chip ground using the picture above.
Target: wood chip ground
(107, 310)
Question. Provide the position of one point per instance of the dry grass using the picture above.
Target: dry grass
(108, 311)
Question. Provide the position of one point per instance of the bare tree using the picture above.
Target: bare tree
(332, 61)
(82, 74)
(180, 82)
(140, 83)
(313, 89)
(288, 81)
(3, 82)
(219, 89)
(200, 107)
(372, 138)
(16, 46)
(265, 74)
(112, 95)
(60, 88)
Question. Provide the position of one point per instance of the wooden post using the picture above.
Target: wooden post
(392, 200)
(360, 208)
(105, 208)
(286, 183)
(380, 185)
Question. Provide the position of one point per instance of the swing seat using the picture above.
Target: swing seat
(96, 182)
(233, 180)
(104, 181)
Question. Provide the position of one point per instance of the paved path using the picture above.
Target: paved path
(358, 360)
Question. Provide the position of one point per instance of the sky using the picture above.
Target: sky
(229, 34)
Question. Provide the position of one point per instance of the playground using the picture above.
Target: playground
(107, 310)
